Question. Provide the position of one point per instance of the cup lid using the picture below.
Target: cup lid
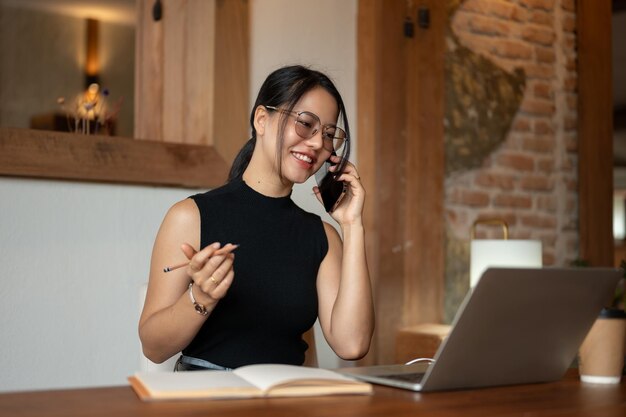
(612, 313)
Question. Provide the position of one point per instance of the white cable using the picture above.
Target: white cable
(416, 360)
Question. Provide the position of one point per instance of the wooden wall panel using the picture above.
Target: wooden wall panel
(400, 157)
(595, 131)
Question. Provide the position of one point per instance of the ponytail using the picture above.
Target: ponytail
(242, 160)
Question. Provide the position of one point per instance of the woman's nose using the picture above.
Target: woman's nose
(316, 141)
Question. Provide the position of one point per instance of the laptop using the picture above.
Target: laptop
(517, 326)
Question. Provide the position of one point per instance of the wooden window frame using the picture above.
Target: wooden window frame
(211, 138)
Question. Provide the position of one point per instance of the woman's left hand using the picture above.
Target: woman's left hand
(350, 208)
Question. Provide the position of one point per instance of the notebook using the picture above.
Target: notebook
(517, 326)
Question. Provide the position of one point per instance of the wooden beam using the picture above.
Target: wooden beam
(200, 69)
(368, 51)
(400, 154)
(425, 168)
(148, 74)
(68, 156)
(175, 79)
(595, 131)
(231, 126)
(381, 155)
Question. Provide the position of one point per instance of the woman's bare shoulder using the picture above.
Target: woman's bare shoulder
(183, 211)
(182, 218)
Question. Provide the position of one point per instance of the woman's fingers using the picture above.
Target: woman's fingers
(336, 159)
(221, 289)
(200, 259)
(215, 275)
(211, 269)
(351, 207)
(349, 168)
(197, 260)
(318, 195)
(188, 250)
(215, 287)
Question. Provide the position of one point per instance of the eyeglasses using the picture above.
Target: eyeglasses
(308, 124)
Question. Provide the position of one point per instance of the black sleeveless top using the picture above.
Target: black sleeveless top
(273, 298)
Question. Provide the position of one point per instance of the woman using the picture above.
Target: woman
(252, 304)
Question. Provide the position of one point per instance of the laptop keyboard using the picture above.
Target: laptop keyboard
(415, 378)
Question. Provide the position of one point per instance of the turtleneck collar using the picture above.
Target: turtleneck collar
(255, 197)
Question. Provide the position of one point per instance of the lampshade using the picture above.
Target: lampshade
(485, 253)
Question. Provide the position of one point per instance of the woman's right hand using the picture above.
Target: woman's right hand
(211, 270)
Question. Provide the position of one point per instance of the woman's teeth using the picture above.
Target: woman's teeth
(303, 157)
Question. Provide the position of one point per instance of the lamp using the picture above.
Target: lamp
(485, 253)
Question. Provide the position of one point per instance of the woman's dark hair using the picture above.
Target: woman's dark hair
(284, 88)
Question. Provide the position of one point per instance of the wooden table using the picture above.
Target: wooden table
(567, 397)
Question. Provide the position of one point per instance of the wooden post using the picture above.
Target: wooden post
(425, 156)
(400, 154)
(595, 132)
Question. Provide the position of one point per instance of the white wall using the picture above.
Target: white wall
(74, 254)
(73, 258)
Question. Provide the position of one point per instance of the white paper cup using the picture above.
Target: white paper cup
(601, 355)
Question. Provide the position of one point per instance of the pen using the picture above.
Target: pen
(222, 251)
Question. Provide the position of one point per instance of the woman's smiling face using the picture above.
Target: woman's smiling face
(302, 157)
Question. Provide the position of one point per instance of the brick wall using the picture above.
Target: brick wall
(530, 179)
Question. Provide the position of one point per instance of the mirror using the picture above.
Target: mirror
(45, 72)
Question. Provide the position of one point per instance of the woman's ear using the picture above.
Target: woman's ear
(260, 120)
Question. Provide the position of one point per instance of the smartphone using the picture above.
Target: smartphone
(332, 191)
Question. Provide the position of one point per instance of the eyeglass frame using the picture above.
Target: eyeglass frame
(319, 121)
